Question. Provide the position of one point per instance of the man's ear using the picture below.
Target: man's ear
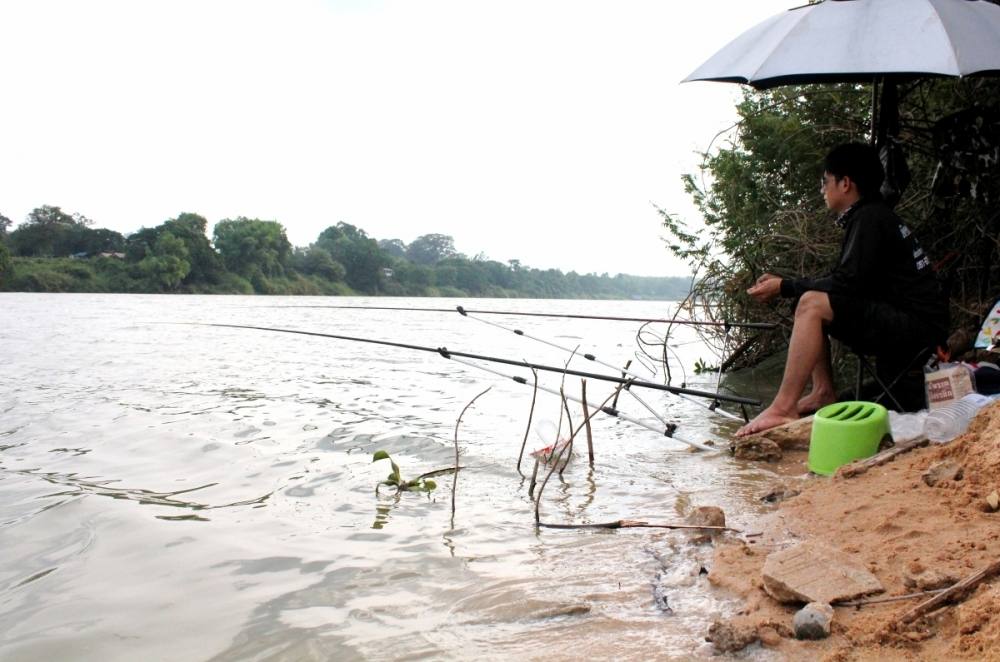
(847, 184)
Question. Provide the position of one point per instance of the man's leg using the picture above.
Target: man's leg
(823, 391)
(805, 350)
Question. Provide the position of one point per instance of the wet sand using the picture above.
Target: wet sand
(908, 534)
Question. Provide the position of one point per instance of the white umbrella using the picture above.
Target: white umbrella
(839, 41)
(861, 41)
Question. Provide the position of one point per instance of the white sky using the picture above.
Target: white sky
(542, 130)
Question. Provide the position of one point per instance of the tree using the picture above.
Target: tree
(431, 249)
(166, 265)
(392, 247)
(318, 262)
(762, 211)
(6, 263)
(5, 224)
(415, 277)
(94, 241)
(41, 231)
(252, 247)
(50, 232)
(206, 267)
(359, 254)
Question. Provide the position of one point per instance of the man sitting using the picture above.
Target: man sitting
(881, 299)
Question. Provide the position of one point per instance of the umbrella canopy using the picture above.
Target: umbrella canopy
(862, 40)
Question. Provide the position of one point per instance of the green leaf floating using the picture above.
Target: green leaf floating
(395, 479)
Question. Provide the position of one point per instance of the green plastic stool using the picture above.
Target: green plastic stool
(844, 432)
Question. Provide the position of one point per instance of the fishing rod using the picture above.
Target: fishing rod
(668, 431)
(449, 354)
(729, 325)
(714, 407)
(590, 357)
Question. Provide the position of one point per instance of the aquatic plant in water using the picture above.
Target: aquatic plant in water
(418, 484)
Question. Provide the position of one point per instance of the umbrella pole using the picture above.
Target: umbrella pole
(874, 126)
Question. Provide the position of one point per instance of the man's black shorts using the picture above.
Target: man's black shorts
(877, 328)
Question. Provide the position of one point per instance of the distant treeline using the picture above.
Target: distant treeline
(52, 251)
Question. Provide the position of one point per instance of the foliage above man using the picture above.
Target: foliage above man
(757, 194)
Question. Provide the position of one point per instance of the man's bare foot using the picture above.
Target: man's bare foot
(815, 401)
(765, 420)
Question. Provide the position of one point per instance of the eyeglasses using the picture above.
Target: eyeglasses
(824, 181)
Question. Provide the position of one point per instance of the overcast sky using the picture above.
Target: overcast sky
(542, 130)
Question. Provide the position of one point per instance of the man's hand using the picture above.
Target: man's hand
(766, 288)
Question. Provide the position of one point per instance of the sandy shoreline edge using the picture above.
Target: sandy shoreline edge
(907, 533)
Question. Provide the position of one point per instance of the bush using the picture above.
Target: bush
(42, 281)
(230, 283)
(6, 262)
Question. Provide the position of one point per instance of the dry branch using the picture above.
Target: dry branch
(555, 462)
(527, 428)
(892, 598)
(635, 524)
(859, 467)
(614, 405)
(586, 420)
(956, 592)
(454, 483)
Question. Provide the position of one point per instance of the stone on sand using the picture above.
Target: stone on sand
(813, 621)
(942, 471)
(757, 449)
(727, 637)
(813, 572)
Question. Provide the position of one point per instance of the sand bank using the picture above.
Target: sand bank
(910, 535)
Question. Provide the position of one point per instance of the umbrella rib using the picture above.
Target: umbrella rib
(951, 44)
(753, 80)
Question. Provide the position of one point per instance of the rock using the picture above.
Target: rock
(779, 493)
(945, 470)
(928, 580)
(726, 637)
(813, 572)
(813, 621)
(993, 501)
(707, 516)
(769, 636)
(791, 435)
(757, 449)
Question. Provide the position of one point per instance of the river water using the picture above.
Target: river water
(180, 492)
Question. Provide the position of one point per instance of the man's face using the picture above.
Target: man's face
(836, 192)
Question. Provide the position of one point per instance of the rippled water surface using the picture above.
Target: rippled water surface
(178, 492)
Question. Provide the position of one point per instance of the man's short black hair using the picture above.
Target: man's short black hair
(860, 162)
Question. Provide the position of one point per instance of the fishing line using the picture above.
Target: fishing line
(589, 357)
(449, 354)
(735, 325)
(669, 431)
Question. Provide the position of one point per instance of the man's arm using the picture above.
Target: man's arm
(766, 288)
(858, 263)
